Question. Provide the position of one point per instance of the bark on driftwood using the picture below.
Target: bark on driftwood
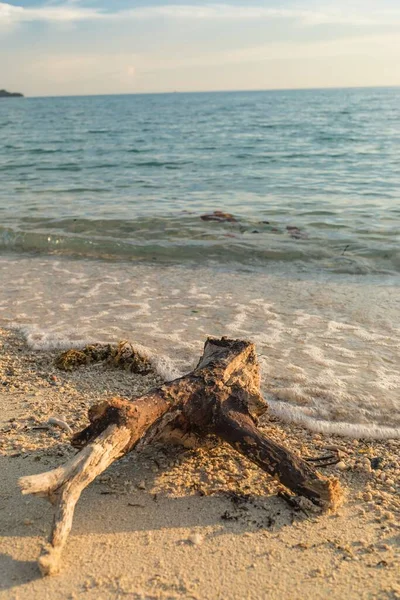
(220, 397)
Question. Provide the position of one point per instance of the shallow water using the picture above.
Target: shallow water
(130, 176)
(329, 350)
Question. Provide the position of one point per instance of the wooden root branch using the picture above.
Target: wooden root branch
(220, 397)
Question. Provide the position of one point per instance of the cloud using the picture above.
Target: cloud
(72, 11)
(66, 13)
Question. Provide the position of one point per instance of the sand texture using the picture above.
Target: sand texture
(184, 524)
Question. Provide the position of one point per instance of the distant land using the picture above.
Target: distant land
(5, 94)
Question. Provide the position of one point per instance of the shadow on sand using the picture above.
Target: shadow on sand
(105, 509)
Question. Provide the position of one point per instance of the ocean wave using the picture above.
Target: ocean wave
(187, 238)
(65, 167)
(161, 163)
(12, 166)
(45, 150)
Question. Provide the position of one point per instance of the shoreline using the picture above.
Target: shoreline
(290, 271)
(329, 352)
(193, 524)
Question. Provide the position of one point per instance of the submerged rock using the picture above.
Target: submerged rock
(296, 232)
(220, 216)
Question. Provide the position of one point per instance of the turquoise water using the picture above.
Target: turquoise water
(311, 178)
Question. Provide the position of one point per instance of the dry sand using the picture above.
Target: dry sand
(184, 524)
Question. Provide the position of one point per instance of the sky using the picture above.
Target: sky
(75, 47)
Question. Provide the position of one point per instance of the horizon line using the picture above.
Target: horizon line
(256, 90)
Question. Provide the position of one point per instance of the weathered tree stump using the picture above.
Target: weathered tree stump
(220, 397)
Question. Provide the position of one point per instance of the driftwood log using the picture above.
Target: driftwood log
(220, 397)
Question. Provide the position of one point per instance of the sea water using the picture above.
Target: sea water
(106, 234)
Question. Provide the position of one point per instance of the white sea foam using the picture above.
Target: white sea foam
(293, 414)
(42, 339)
(329, 351)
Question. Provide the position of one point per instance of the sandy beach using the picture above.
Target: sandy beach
(184, 524)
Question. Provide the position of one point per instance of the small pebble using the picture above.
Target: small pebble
(336, 448)
(59, 423)
(388, 515)
(341, 465)
(376, 462)
(196, 539)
